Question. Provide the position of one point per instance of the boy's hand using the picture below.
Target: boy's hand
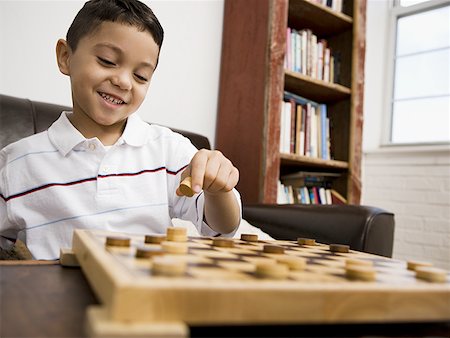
(210, 171)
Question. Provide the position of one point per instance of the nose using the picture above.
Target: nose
(122, 79)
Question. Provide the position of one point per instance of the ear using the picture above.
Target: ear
(63, 56)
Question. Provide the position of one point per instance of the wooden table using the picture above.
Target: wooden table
(46, 300)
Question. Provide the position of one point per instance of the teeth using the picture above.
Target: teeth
(111, 99)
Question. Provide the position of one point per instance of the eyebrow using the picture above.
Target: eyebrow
(120, 51)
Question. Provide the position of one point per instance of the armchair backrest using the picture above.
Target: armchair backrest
(20, 118)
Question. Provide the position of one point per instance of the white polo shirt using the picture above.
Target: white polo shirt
(56, 181)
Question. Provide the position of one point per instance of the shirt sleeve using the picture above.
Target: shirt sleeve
(192, 208)
(6, 227)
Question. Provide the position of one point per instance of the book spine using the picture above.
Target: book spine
(332, 75)
(293, 49)
(313, 133)
(309, 52)
(311, 196)
(328, 138)
(326, 67)
(308, 130)
(322, 195)
(320, 46)
(302, 132)
(304, 51)
(314, 56)
(287, 59)
(323, 134)
(287, 128)
(298, 52)
(298, 127)
(293, 126)
(328, 196)
(282, 124)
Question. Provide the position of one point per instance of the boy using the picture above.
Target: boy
(100, 166)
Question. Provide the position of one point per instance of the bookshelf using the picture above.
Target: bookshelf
(253, 81)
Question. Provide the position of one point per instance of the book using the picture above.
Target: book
(320, 51)
(308, 130)
(288, 57)
(304, 49)
(312, 197)
(337, 198)
(314, 56)
(323, 132)
(322, 195)
(326, 65)
(298, 52)
(298, 130)
(304, 127)
(328, 196)
(313, 144)
(292, 135)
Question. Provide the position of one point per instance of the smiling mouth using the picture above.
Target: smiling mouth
(111, 99)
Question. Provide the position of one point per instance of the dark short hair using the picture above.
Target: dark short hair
(131, 12)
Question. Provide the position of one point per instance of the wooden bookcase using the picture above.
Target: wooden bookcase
(253, 80)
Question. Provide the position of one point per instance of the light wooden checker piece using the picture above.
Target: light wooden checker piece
(175, 294)
(339, 248)
(249, 237)
(176, 234)
(186, 187)
(306, 241)
(118, 241)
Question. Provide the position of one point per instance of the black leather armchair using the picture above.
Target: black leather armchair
(363, 228)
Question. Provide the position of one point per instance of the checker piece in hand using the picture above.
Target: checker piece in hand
(186, 187)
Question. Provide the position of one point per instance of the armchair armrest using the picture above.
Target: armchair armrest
(363, 228)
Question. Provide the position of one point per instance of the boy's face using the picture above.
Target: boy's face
(110, 72)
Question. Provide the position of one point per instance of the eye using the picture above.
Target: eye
(105, 61)
(141, 78)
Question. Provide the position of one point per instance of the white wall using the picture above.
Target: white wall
(411, 182)
(183, 93)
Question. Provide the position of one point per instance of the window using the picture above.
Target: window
(420, 96)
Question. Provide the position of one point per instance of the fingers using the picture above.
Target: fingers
(210, 171)
(225, 180)
(198, 169)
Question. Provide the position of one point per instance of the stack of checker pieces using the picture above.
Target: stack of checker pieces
(174, 278)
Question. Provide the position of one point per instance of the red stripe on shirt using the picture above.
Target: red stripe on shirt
(49, 185)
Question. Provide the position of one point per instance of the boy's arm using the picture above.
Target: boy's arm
(222, 212)
(5, 226)
(216, 175)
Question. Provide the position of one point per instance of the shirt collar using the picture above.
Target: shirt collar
(135, 133)
(65, 137)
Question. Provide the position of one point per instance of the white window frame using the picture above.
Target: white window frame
(395, 13)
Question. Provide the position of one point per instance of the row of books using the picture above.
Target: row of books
(335, 5)
(308, 188)
(308, 195)
(304, 127)
(308, 55)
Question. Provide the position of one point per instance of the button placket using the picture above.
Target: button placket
(106, 185)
